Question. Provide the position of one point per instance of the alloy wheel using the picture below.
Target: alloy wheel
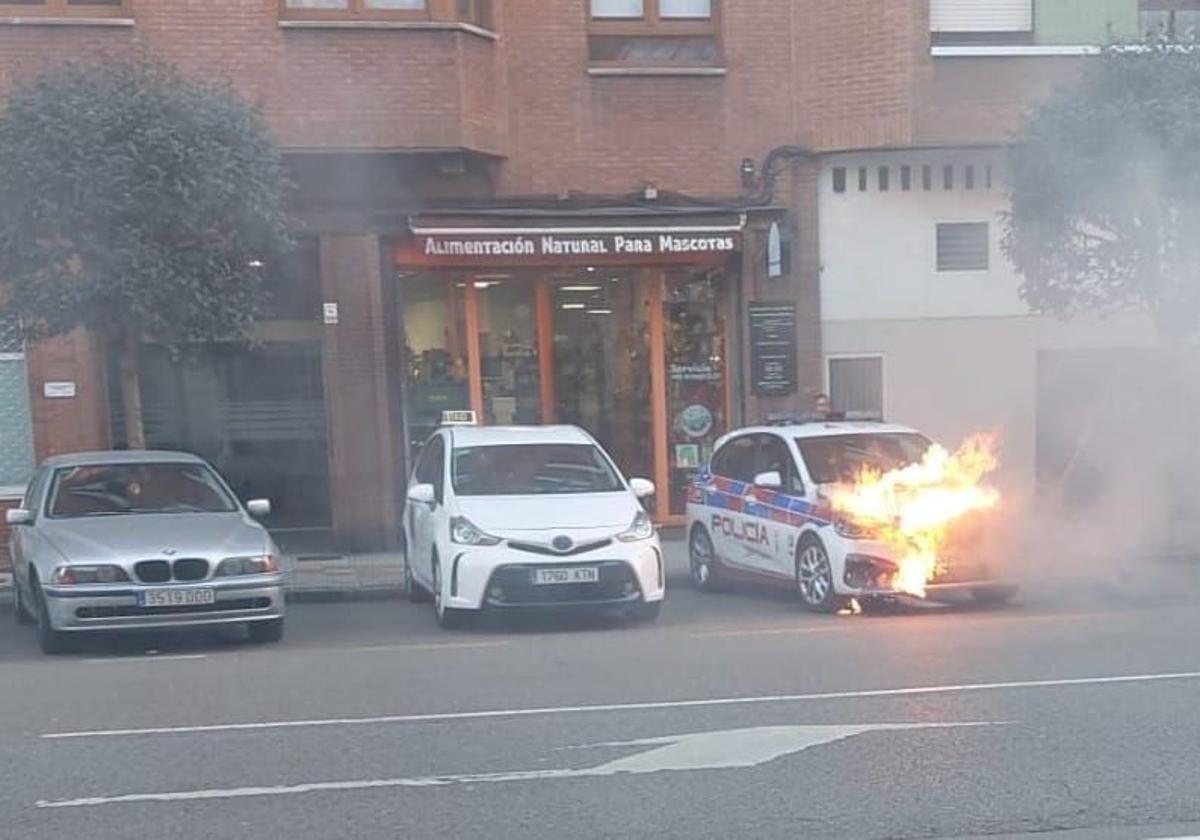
(814, 577)
(700, 551)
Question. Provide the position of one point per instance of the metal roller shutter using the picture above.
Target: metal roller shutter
(981, 15)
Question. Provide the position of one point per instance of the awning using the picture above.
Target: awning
(602, 239)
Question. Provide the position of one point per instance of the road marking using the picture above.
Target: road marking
(439, 717)
(721, 750)
(767, 631)
(859, 623)
(429, 646)
(108, 660)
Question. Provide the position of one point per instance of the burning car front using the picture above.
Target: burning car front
(920, 529)
(873, 567)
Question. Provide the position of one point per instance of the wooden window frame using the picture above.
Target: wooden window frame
(651, 24)
(64, 8)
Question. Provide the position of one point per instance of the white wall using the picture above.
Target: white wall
(879, 249)
(959, 348)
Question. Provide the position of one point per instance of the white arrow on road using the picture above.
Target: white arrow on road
(723, 749)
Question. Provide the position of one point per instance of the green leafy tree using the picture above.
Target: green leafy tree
(1105, 181)
(140, 205)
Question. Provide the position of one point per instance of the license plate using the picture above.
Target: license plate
(176, 597)
(575, 574)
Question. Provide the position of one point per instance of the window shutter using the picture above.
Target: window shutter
(981, 15)
(963, 246)
(857, 385)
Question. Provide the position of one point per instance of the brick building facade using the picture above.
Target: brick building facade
(573, 116)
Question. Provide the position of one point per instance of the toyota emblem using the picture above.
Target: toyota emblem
(562, 543)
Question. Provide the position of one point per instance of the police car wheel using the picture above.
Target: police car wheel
(702, 559)
(814, 577)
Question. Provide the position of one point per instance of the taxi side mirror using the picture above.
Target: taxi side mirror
(18, 516)
(422, 494)
(641, 487)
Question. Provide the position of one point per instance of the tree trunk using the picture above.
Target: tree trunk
(131, 393)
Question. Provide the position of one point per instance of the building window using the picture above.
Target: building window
(862, 179)
(478, 12)
(654, 32)
(948, 177)
(927, 177)
(906, 178)
(361, 9)
(969, 177)
(1175, 20)
(64, 8)
(885, 179)
(16, 427)
(856, 384)
(972, 22)
(963, 246)
(839, 179)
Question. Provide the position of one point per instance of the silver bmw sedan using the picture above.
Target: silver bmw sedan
(140, 540)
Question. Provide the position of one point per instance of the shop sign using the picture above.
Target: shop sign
(629, 247)
(701, 372)
(773, 347)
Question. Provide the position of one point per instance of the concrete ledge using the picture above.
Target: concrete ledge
(1013, 51)
(426, 25)
(118, 22)
(657, 71)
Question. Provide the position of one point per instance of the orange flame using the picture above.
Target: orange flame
(911, 508)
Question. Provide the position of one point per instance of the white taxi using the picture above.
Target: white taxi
(759, 512)
(505, 518)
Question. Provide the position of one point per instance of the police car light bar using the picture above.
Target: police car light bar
(832, 417)
(459, 418)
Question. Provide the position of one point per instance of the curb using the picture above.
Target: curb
(330, 595)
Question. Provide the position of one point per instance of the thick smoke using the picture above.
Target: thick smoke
(1115, 515)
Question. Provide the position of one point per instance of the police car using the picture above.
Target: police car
(758, 512)
(507, 518)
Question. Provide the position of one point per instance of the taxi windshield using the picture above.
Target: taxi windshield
(532, 469)
(836, 458)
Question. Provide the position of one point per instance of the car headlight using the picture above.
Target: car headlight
(852, 530)
(76, 575)
(464, 532)
(262, 564)
(640, 529)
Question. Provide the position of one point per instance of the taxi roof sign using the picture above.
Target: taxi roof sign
(459, 418)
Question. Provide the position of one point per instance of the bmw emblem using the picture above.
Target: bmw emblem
(169, 552)
(562, 543)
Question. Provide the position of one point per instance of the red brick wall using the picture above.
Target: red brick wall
(70, 424)
(831, 75)
(320, 88)
(357, 394)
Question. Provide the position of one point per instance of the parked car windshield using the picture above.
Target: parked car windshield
(111, 489)
(536, 468)
(835, 458)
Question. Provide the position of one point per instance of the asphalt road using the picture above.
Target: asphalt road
(1070, 712)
